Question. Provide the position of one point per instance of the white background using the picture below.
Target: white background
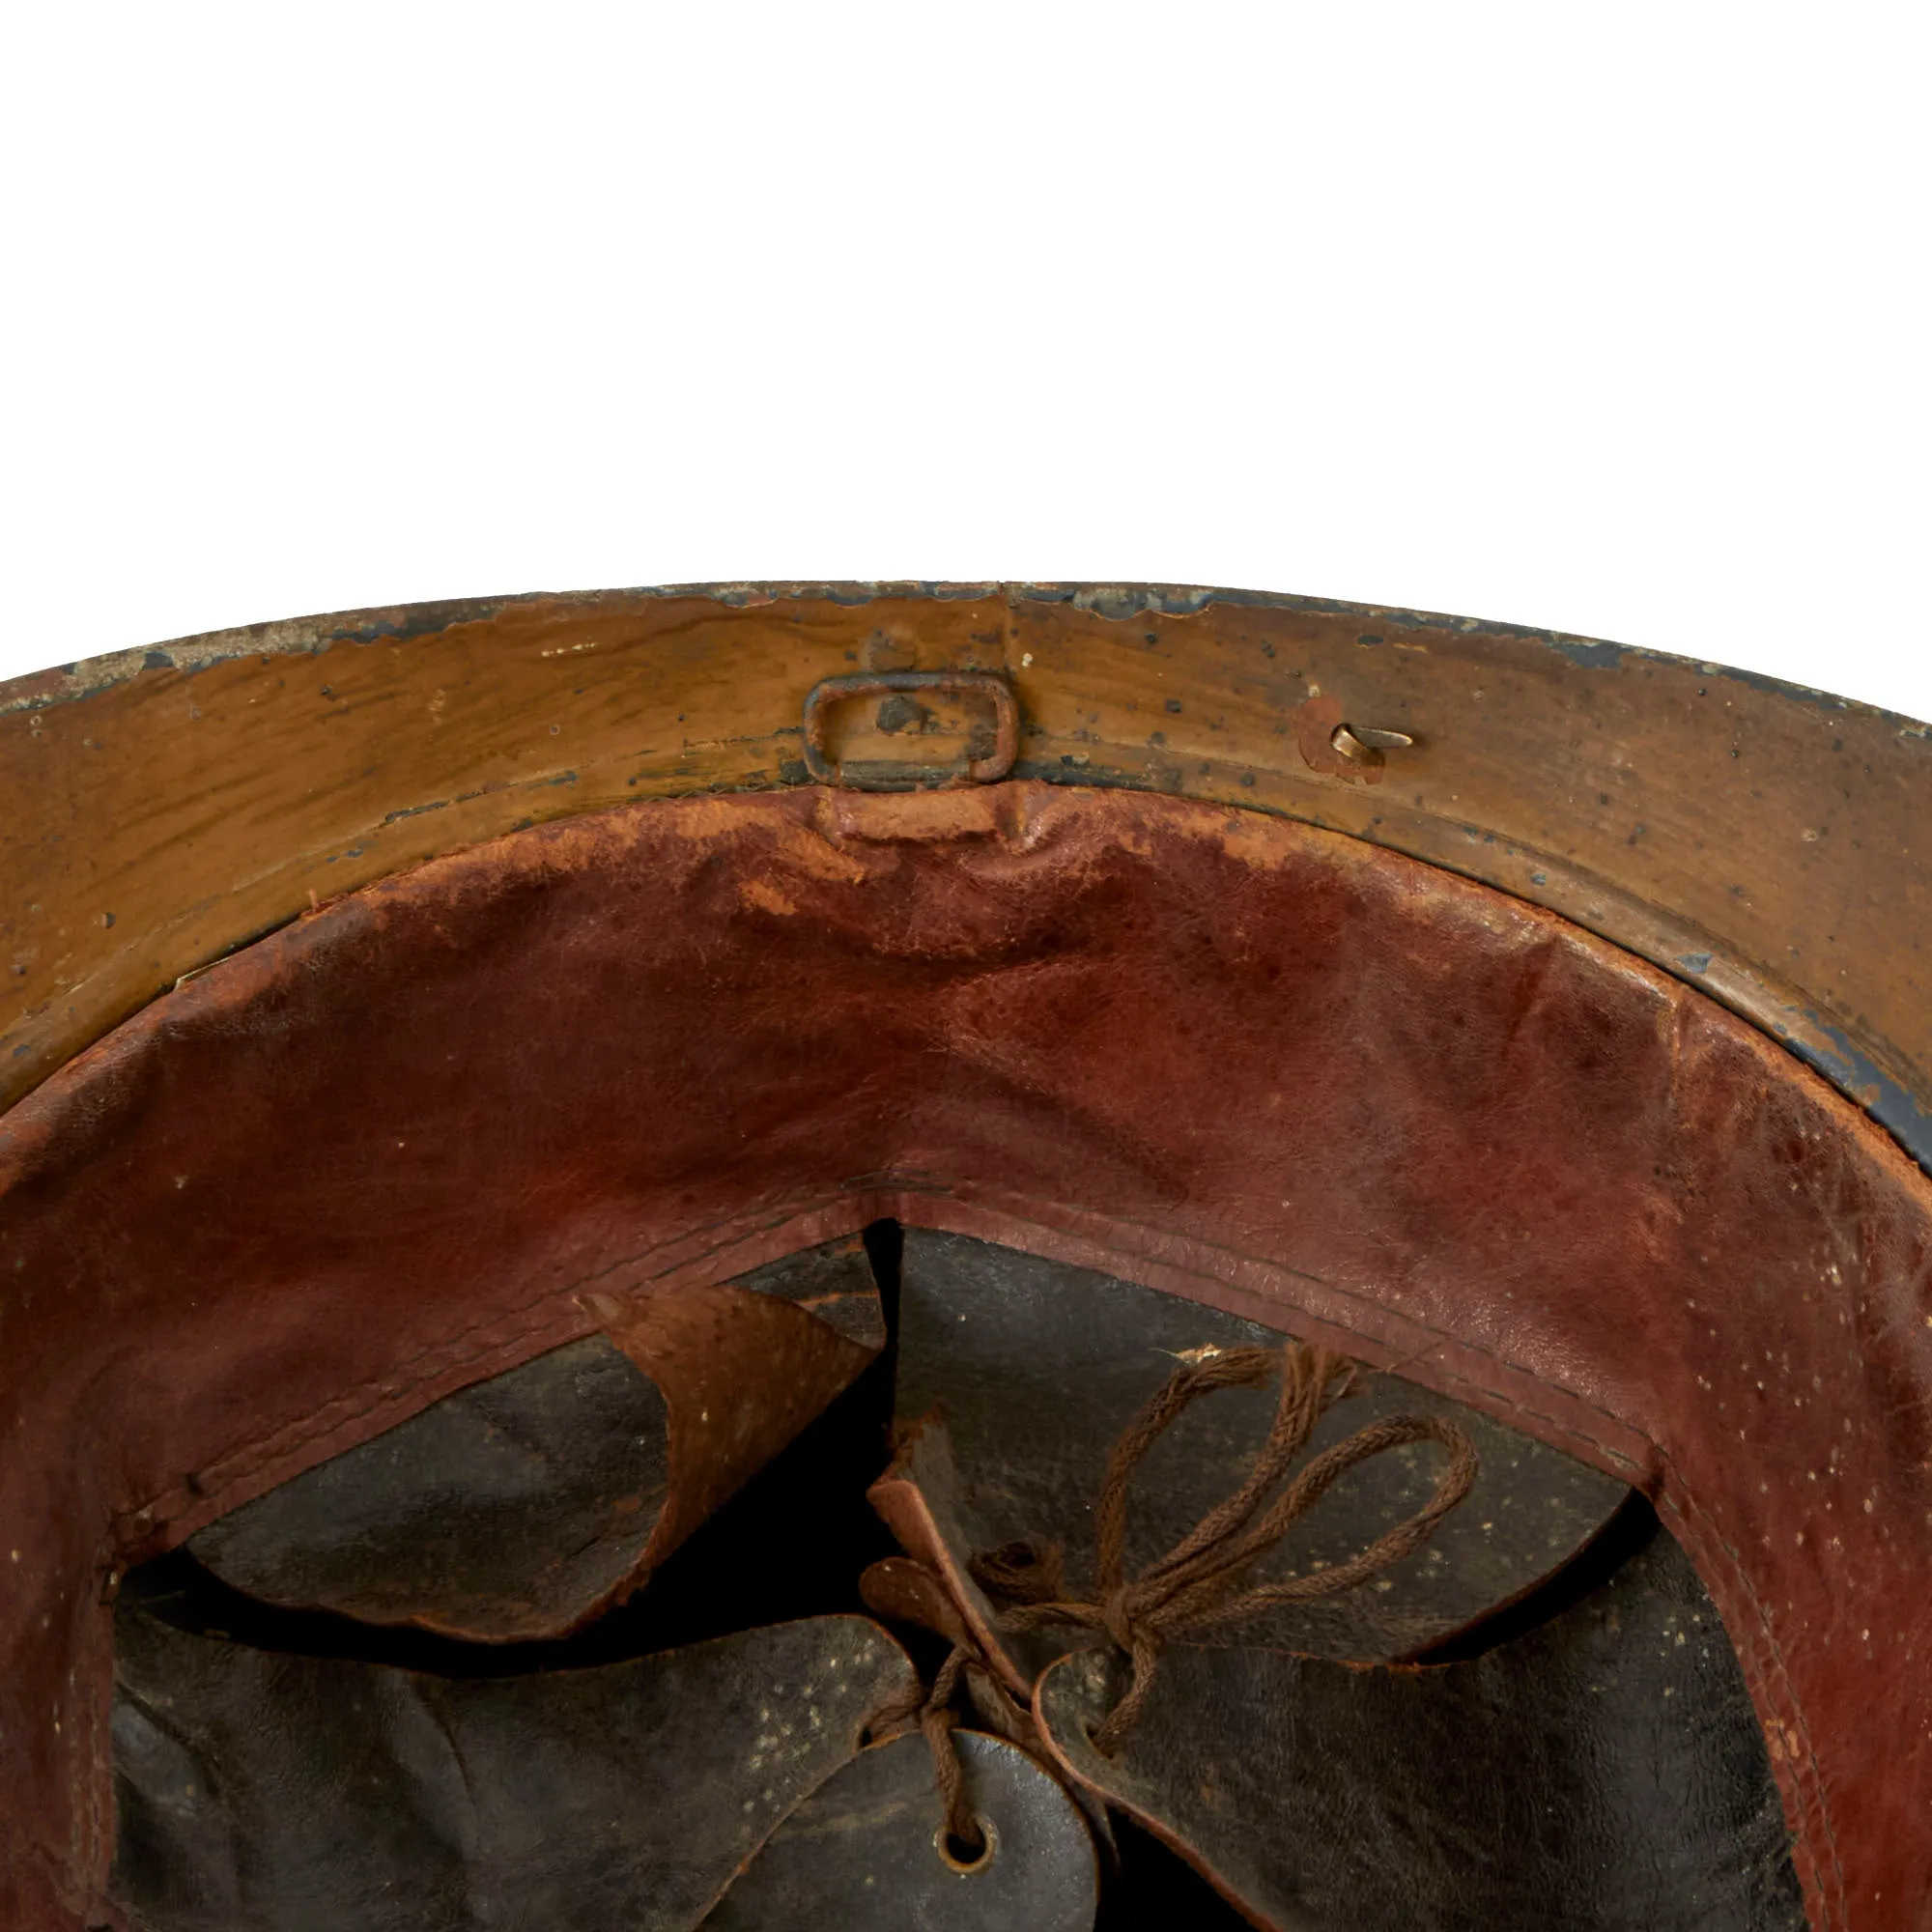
(1604, 318)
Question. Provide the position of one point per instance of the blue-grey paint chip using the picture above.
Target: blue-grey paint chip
(1587, 652)
(1902, 1114)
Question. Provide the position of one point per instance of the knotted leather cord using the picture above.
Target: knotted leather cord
(932, 1710)
(934, 1714)
(1195, 1585)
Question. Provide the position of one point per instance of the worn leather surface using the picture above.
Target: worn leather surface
(862, 1852)
(1032, 1370)
(1602, 1773)
(510, 1509)
(1232, 1058)
(262, 1793)
(1754, 838)
(743, 1372)
(518, 1508)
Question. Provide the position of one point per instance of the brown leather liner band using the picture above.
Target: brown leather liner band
(381, 1154)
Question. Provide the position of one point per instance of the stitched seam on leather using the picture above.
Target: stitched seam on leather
(243, 1462)
(441, 1356)
(90, 1761)
(297, 1434)
(1357, 1295)
(1777, 1681)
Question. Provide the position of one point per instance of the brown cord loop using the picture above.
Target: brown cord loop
(936, 1721)
(1195, 1585)
(933, 1712)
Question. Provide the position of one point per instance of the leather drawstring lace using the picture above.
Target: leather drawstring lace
(1197, 1585)
(935, 1712)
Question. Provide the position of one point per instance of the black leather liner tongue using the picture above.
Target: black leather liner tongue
(863, 1853)
(262, 1793)
(1036, 1369)
(1602, 1773)
(505, 1506)
(519, 1507)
